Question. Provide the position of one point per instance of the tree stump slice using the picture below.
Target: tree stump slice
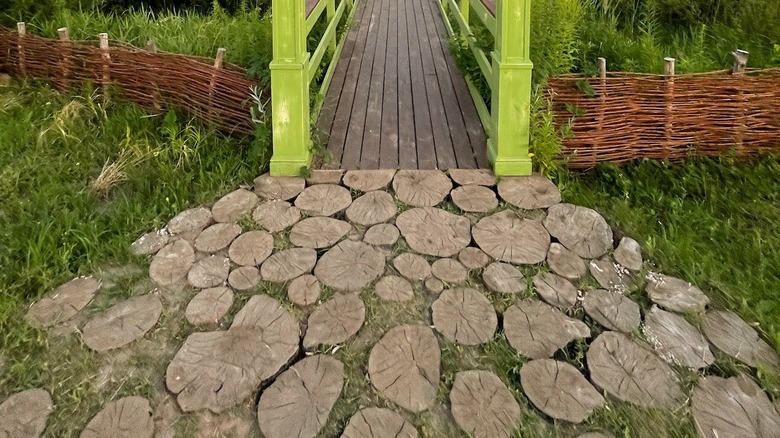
(129, 417)
(122, 323)
(209, 306)
(676, 341)
(432, 231)
(372, 208)
(252, 248)
(217, 237)
(612, 310)
(474, 199)
(556, 290)
(473, 258)
(467, 177)
(282, 188)
(413, 267)
(234, 206)
(304, 290)
(319, 232)
(350, 266)
(675, 294)
(393, 288)
(150, 243)
(506, 237)
(733, 336)
(504, 278)
(218, 370)
(323, 200)
(629, 254)
(288, 264)
(170, 266)
(276, 216)
(193, 220)
(610, 276)
(378, 423)
(537, 330)
(449, 271)
(209, 272)
(421, 188)
(244, 278)
(483, 406)
(382, 235)
(368, 180)
(324, 176)
(734, 407)
(632, 372)
(565, 263)
(579, 229)
(433, 285)
(404, 367)
(529, 192)
(559, 390)
(24, 414)
(63, 303)
(298, 403)
(335, 321)
(464, 316)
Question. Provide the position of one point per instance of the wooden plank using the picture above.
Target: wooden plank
(372, 129)
(407, 143)
(490, 5)
(388, 153)
(426, 150)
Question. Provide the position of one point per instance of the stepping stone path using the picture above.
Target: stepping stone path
(434, 286)
(150, 243)
(449, 271)
(537, 330)
(130, 417)
(504, 278)
(733, 336)
(276, 216)
(191, 221)
(565, 263)
(610, 275)
(217, 237)
(170, 266)
(278, 188)
(63, 303)
(629, 254)
(677, 341)
(734, 407)
(479, 177)
(382, 235)
(529, 192)
(559, 390)
(555, 290)
(209, 272)
(350, 266)
(675, 294)
(123, 323)
(24, 414)
(393, 288)
(251, 248)
(506, 237)
(378, 423)
(432, 231)
(234, 206)
(474, 199)
(324, 176)
(319, 232)
(483, 406)
(323, 200)
(372, 208)
(335, 321)
(209, 306)
(298, 403)
(368, 180)
(473, 258)
(288, 264)
(612, 310)
(304, 290)
(244, 278)
(464, 316)
(412, 266)
(579, 229)
(421, 188)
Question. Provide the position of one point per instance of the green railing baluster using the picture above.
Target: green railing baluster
(332, 16)
(465, 9)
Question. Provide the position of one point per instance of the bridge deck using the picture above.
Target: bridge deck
(397, 98)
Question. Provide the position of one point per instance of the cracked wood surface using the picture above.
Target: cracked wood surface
(580, 229)
(350, 266)
(123, 323)
(483, 406)
(432, 231)
(464, 316)
(507, 237)
(537, 330)
(559, 390)
(335, 321)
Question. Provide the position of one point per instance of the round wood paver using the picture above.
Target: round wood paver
(421, 188)
(433, 285)
(405, 365)
(730, 334)
(209, 272)
(467, 177)
(610, 275)
(565, 263)
(262, 339)
(506, 237)
(319, 232)
(150, 243)
(123, 323)
(368, 180)
(378, 423)
(580, 229)
(675, 294)
(372, 208)
(324, 176)
(276, 216)
(473, 258)
(555, 290)
(298, 403)
(244, 278)
(304, 290)
(335, 321)
(734, 407)
(24, 414)
(483, 406)
(382, 235)
(281, 188)
(432, 231)
(464, 316)
(413, 267)
(449, 271)
(559, 390)
(350, 266)
(504, 278)
(632, 372)
(393, 288)
(474, 199)
(217, 237)
(629, 254)
(252, 248)
(170, 266)
(529, 192)
(193, 220)
(129, 417)
(323, 200)
(676, 341)
(612, 310)
(209, 306)
(288, 264)
(234, 205)
(537, 330)
(63, 303)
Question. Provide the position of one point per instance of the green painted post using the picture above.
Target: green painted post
(290, 89)
(465, 9)
(331, 11)
(511, 102)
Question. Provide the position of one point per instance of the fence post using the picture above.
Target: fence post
(602, 62)
(66, 54)
(511, 102)
(290, 89)
(106, 56)
(331, 12)
(739, 68)
(669, 67)
(465, 10)
(21, 28)
(218, 62)
(151, 47)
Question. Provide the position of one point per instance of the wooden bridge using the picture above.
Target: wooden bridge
(392, 95)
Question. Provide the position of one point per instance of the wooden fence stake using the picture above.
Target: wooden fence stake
(739, 68)
(66, 54)
(602, 62)
(218, 62)
(669, 67)
(21, 28)
(740, 61)
(151, 46)
(106, 56)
